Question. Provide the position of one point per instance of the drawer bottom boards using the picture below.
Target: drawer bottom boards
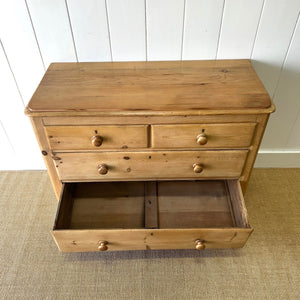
(151, 215)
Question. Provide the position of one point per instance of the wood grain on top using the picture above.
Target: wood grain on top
(170, 86)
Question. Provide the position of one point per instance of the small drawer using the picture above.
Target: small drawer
(229, 135)
(97, 137)
(151, 215)
(104, 166)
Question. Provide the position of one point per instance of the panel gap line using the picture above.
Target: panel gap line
(8, 139)
(35, 35)
(258, 26)
(183, 28)
(12, 73)
(291, 131)
(286, 56)
(220, 29)
(146, 31)
(71, 29)
(280, 76)
(109, 33)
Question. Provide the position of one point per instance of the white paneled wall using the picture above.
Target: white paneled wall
(239, 26)
(126, 19)
(15, 126)
(287, 98)
(89, 24)
(34, 33)
(165, 20)
(50, 20)
(274, 35)
(202, 23)
(18, 38)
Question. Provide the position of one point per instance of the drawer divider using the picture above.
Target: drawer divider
(151, 206)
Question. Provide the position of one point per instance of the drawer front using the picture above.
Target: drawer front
(231, 135)
(149, 239)
(97, 137)
(150, 165)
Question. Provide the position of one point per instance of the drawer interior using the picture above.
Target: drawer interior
(155, 204)
(90, 205)
(194, 204)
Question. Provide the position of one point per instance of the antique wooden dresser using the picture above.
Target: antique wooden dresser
(150, 155)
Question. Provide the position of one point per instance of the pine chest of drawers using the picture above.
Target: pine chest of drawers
(150, 155)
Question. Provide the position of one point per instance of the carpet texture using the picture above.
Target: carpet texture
(268, 267)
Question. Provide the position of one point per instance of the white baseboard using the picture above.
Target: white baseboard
(277, 159)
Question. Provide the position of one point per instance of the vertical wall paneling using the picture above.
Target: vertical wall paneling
(290, 109)
(201, 29)
(284, 127)
(127, 29)
(15, 123)
(53, 31)
(273, 37)
(21, 47)
(164, 29)
(90, 30)
(239, 27)
(294, 135)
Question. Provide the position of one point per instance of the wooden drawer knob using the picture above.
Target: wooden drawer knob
(201, 139)
(97, 140)
(197, 168)
(103, 245)
(199, 245)
(102, 169)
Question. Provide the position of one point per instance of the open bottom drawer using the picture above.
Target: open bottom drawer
(151, 215)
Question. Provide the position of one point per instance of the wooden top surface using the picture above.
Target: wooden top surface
(172, 87)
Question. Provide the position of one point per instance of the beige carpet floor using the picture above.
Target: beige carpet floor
(268, 267)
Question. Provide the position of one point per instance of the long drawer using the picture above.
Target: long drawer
(149, 165)
(228, 135)
(151, 215)
(97, 137)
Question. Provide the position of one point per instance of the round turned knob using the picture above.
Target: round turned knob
(103, 245)
(102, 169)
(199, 245)
(197, 168)
(97, 140)
(201, 139)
